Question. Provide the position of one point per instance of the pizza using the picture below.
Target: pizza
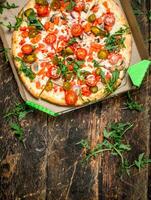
(72, 52)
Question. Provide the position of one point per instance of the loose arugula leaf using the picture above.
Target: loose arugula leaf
(13, 26)
(133, 105)
(7, 6)
(142, 161)
(5, 53)
(17, 130)
(113, 142)
(19, 111)
(25, 69)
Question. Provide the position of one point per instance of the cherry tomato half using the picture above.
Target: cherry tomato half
(71, 97)
(114, 58)
(50, 38)
(53, 72)
(42, 11)
(81, 53)
(76, 30)
(85, 91)
(79, 7)
(109, 19)
(27, 49)
(91, 80)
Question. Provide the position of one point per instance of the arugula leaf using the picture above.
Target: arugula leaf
(5, 53)
(72, 41)
(142, 161)
(17, 130)
(96, 63)
(71, 5)
(19, 111)
(115, 42)
(13, 26)
(7, 6)
(25, 69)
(113, 136)
(34, 21)
(133, 105)
(111, 83)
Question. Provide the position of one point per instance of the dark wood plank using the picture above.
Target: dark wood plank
(22, 168)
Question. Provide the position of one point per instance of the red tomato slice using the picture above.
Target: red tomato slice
(114, 58)
(71, 97)
(109, 19)
(81, 53)
(53, 72)
(85, 91)
(79, 7)
(76, 30)
(42, 11)
(91, 80)
(50, 38)
(27, 49)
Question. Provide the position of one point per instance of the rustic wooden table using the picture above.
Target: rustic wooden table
(48, 167)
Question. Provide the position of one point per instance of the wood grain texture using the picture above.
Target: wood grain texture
(48, 166)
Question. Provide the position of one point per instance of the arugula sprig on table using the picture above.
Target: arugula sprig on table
(7, 6)
(5, 53)
(11, 26)
(14, 116)
(114, 143)
(133, 105)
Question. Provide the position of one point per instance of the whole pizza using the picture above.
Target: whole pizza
(71, 52)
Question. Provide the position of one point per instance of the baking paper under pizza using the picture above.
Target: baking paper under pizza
(72, 52)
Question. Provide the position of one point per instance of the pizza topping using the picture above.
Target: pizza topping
(66, 85)
(92, 18)
(94, 89)
(76, 30)
(49, 86)
(114, 58)
(97, 31)
(30, 58)
(68, 51)
(109, 19)
(103, 54)
(71, 97)
(55, 5)
(25, 69)
(32, 18)
(85, 91)
(42, 2)
(79, 7)
(54, 72)
(42, 10)
(27, 49)
(50, 38)
(91, 80)
(81, 53)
